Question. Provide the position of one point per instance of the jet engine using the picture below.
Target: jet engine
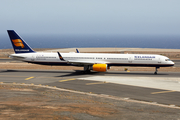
(100, 67)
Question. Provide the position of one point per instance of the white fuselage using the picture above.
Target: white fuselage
(82, 59)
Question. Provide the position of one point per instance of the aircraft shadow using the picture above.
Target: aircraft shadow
(82, 73)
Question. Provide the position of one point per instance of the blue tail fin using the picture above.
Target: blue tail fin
(19, 45)
(77, 50)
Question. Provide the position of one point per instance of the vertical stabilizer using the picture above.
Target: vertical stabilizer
(19, 45)
(77, 51)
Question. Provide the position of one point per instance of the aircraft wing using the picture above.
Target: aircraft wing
(85, 62)
(81, 62)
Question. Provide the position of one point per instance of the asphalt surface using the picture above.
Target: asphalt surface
(70, 80)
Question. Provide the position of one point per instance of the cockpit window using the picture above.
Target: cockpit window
(167, 60)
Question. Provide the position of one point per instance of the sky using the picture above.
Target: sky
(91, 17)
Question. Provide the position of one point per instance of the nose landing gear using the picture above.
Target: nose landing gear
(156, 70)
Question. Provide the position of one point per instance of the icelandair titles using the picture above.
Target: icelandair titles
(143, 57)
(21, 49)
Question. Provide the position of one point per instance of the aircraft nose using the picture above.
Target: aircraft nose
(172, 63)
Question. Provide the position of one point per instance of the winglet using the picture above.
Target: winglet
(77, 50)
(19, 45)
(60, 57)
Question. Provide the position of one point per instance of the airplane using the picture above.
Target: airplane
(99, 62)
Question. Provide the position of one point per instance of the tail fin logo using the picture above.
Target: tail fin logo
(18, 43)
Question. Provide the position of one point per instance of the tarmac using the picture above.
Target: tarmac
(163, 88)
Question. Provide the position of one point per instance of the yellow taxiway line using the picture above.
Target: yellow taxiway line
(163, 92)
(67, 80)
(96, 83)
(29, 78)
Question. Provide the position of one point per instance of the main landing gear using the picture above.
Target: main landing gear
(87, 69)
(156, 70)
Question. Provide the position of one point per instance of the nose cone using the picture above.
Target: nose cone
(172, 63)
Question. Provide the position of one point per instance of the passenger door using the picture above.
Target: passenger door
(159, 60)
(32, 58)
(130, 59)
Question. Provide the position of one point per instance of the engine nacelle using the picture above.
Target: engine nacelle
(100, 67)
